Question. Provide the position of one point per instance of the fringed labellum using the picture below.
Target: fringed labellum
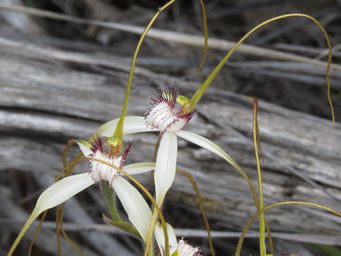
(168, 112)
(100, 171)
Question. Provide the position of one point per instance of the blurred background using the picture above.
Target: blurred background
(61, 77)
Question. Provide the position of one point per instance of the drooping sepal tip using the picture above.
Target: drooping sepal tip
(199, 93)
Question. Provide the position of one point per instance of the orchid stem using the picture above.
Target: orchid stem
(205, 33)
(27, 225)
(37, 211)
(201, 207)
(256, 214)
(119, 128)
(149, 243)
(259, 174)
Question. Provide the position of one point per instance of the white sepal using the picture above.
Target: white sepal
(132, 124)
(160, 238)
(84, 146)
(62, 190)
(134, 204)
(139, 168)
(54, 195)
(165, 168)
(209, 145)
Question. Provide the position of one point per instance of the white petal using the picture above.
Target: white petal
(62, 190)
(139, 168)
(54, 195)
(209, 145)
(165, 168)
(160, 238)
(84, 146)
(132, 124)
(134, 204)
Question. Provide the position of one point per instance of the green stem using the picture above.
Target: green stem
(119, 128)
(256, 145)
(200, 202)
(149, 243)
(205, 32)
(37, 211)
(255, 215)
(28, 223)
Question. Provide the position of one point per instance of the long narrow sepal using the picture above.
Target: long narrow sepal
(139, 168)
(200, 92)
(206, 143)
(211, 146)
(63, 190)
(54, 195)
(136, 207)
(165, 168)
(132, 124)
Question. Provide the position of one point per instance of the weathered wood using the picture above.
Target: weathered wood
(46, 239)
(49, 95)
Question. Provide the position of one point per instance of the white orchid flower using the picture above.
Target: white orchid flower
(167, 115)
(133, 203)
(181, 248)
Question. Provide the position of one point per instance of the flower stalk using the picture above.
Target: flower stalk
(119, 129)
(275, 205)
(256, 146)
(200, 202)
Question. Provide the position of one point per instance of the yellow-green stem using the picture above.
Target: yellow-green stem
(28, 223)
(256, 146)
(256, 214)
(36, 233)
(199, 93)
(240, 170)
(38, 211)
(150, 197)
(205, 32)
(201, 206)
(149, 243)
(119, 128)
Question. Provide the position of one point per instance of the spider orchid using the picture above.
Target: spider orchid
(168, 114)
(133, 203)
(181, 248)
(165, 116)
